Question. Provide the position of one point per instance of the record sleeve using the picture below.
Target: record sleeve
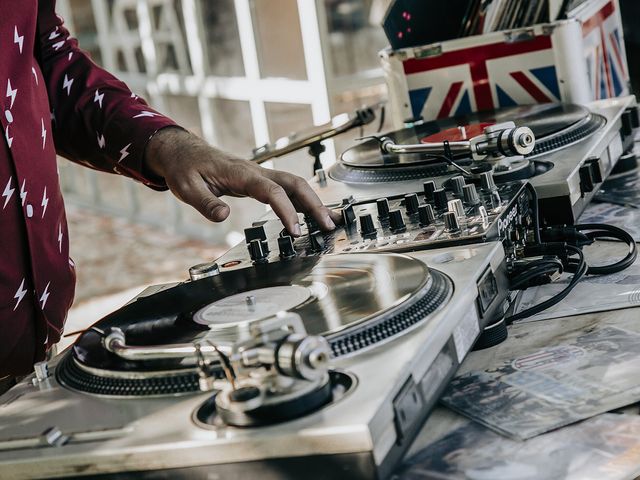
(552, 387)
(602, 448)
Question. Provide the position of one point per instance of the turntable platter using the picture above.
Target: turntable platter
(546, 121)
(356, 301)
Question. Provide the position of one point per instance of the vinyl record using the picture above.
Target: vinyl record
(355, 300)
(547, 121)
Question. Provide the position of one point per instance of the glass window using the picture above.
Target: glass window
(233, 127)
(84, 28)
(284, 119)
(355, 34)
(279, 39)
(184, 111)
(222, 40)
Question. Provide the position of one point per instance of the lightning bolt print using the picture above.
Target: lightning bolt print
(35, 75)
(20, 293)
(56, 46)
(18, 39)
(66, 84)
(145, 113)
(23, 192)
(11, 93)
(45, 201)
(60, 237)
(43, 133)
(45, 296)
(55, 34)
(124, 153)
(101, 141)
(9, 138)
(97, 98)
(8, 192)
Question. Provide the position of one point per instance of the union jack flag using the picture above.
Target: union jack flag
(483, 77)
(503, 74)
(604, 50)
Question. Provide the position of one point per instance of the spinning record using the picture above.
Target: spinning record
(355, 300)
(555, 126)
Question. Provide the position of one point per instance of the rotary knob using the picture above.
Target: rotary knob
(426, 215)
(383, 207)
(487, 184)
(348, 215)
(456, 207)
(257, 252)
(285, 245)
(367, 228)
(411, 203)
(396, 222)
(470, 195)
(457, 184)
(451, 223)
(257, 233)
(440, 199)
(317, 241)
(429, 188)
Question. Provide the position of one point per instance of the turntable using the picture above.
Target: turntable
(321, 367)
(575, 149)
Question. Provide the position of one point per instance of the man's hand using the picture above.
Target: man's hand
(199, 174)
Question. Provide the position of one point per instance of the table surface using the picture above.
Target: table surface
(531, 336)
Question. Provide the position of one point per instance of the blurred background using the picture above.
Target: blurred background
(239, 73)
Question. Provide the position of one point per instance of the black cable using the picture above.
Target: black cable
(523, 281)
(580, 272)
(536, 218)
(600, 231)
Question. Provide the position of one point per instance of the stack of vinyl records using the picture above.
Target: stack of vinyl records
(409, 23)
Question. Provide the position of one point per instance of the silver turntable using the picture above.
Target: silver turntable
(359, 358)
(576, 147)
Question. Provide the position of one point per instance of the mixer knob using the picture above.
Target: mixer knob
(457, 184)
(470, 195)
(396, 222)
(440, 199)
(487, 184)
(411, 203)
(451, 222)
(348, 215)
(255, 233)
(257, 252)
(367, 228)
(456, 207)
(383, 207)
(426, 215)
(285, 245)
(429, 187)
(317, 241)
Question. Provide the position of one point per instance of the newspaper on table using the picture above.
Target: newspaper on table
(606, 447)
(621, 216)
(589, 295)
(552, 387)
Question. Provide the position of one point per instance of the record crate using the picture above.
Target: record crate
(576, 60)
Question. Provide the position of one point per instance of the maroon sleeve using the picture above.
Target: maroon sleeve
(97, 120)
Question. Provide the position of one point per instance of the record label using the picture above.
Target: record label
(252, 305)
(457, 134)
